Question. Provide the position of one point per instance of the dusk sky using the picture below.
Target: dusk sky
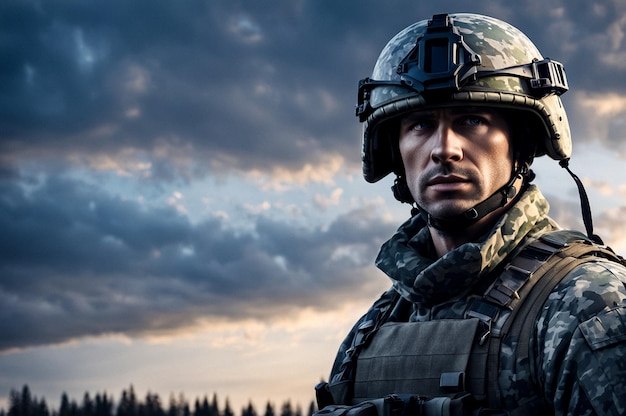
(182, 207)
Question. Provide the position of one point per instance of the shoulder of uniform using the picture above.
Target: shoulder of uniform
(595, 276)
(601, 270)
(592, 287)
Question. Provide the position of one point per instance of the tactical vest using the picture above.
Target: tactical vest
(452, 357)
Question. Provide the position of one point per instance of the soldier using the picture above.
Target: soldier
(490, 310)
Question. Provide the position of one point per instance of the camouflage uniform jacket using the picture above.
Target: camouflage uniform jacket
(579, 344)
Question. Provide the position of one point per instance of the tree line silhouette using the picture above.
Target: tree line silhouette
(23, 403)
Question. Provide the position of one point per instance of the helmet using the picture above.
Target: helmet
(460, 59)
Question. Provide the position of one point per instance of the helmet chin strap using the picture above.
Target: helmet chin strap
(497, 200)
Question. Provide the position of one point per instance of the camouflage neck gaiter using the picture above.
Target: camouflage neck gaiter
(407, 258)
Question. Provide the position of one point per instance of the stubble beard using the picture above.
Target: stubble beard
(447, 204)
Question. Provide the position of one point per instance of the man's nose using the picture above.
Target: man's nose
(447, 145)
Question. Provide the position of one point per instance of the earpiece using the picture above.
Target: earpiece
(401, 191)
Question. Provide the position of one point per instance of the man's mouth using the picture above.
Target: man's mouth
(447, 182)
(446, 179)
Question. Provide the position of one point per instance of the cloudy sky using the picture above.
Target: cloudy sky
(181, 202)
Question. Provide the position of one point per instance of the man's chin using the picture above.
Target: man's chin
(443, 211)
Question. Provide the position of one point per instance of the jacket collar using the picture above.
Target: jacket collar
(408, 257)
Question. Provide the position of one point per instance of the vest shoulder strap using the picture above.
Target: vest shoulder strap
(525, 285)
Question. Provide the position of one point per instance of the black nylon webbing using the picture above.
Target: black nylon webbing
(532, 297)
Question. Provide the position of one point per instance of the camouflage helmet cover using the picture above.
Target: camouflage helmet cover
(460, 59)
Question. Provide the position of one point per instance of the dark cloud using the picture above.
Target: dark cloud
(79, 262)
(234, 85)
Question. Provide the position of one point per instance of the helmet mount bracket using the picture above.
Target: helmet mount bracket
(440, 58)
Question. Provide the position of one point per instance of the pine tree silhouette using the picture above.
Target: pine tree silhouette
(23, 403)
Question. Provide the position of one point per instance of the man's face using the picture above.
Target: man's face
(455, 158)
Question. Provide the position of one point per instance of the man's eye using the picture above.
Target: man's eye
(422, 124)
(474, 120)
